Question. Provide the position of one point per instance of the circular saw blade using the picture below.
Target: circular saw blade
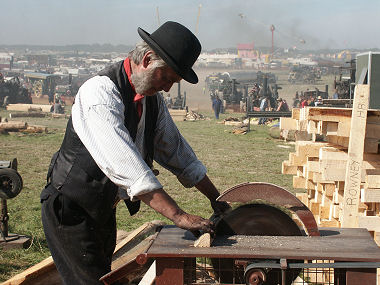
(255, 220)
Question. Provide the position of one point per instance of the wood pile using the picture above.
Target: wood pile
(178, 115)
(194, 116)
(337, 161)
(20, 126)
(29, 107)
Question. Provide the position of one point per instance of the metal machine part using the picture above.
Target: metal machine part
(10, 187)
(258, 219)
(255, 220)
(275, 195)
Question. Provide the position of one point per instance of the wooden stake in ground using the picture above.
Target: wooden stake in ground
(351, 196)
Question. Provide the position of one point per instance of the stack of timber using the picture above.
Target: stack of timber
(178, 115)
(337, 161)
(20, 126)
(29, 107)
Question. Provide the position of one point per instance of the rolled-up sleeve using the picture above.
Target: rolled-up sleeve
(173, 152)
(98, 119)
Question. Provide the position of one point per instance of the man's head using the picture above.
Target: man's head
(151, 74)
(163, 58)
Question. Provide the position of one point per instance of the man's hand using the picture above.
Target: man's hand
(193, 223)
(220, 207)
(160, 201)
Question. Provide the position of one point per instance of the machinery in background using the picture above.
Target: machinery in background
(10, 186)
(12, 91)
(235, 87)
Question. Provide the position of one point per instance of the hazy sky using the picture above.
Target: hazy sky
(222, 23)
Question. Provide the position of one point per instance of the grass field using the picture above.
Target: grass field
(230, 159)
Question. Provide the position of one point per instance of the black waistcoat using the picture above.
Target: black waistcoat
(74, 172)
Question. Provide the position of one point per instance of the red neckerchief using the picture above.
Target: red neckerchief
(137, 98)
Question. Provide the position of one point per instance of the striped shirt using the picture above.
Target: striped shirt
(98, 120)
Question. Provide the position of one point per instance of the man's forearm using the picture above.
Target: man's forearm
(162, 203)
(207, 188)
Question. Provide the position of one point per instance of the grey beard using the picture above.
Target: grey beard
(142, 81)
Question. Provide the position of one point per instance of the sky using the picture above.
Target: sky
(305, 24)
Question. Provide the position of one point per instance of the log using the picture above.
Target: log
(204, 240)
(28, 107)
(35, 129)
(13, 125)
(27, 114)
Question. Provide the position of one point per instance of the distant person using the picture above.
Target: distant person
(282, 105)
(217, 106)
(6, 101)
(296, 101)
(168, 101)
(304, 102)
(335, 95)
(57, 107)
(312, 102)
(264, 105)
(319, 101)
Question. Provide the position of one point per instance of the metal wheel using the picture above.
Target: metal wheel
(255, 220)
(10, 183)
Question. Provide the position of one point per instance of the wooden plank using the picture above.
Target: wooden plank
(309, 149)
(33, 272)
(370, 223)
(372, 179)
(327, 114)
(149, 276)
(297, 160)
(288, 123)
(312, 127)
(296, 113)
(369, 195)
(303, 197)
(355, 156)
(312, 165)
(287, 168)
(299, 182)
(332, 129)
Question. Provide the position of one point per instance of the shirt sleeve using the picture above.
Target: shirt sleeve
(98, 119)
(172, 150)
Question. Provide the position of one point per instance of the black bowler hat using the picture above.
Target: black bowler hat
(177, 46)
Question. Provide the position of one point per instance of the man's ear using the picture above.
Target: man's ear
(147, 59)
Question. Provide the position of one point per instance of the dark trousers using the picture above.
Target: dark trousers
(81, 249)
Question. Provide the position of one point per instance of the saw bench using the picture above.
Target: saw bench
(352, 254)
(268, 238)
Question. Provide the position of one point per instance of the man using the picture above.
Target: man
(264, 105)
(217, 106)
(282, 105)
(168, 101)
(119, 125)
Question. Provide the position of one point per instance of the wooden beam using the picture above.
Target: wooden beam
(288, 123)
(351, 197)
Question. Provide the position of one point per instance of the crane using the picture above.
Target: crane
(197, 23)
(158, 16)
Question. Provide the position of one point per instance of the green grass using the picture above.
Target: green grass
(230, 159)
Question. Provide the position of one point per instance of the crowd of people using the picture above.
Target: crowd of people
(301, 101)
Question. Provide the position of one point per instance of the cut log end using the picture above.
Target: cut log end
(204, 240)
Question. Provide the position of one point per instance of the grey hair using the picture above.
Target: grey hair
(141, 48)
